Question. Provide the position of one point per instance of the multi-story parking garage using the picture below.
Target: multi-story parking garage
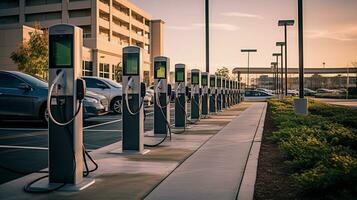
(108, 26)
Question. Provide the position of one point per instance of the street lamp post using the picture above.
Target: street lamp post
(248, 51)
(207, 34)
(282, 44)
(277, 69)
(300, 105)
(273, 67)
(286, 23)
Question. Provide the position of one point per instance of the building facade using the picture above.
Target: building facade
(108, 26)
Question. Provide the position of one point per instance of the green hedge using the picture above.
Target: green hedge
(319, 147)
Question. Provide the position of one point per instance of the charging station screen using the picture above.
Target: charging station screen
(61, 51)
(195, 79)
(131, 64)
(212, 82)
(219, 83)
(160, 70)
(204, 81)
(180, 76)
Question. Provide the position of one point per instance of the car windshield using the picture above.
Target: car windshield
(32, 80)
(113, 83)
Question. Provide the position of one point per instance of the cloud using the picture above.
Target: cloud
(183, 28)
(220, 26)
(198, 26)
(345, 35)
(239, 14)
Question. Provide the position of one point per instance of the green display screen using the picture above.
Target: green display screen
(131, 64)
(61, 51)
(212, 82)
(160, 70)
(180, 76)
(195, 79)
(204, 81)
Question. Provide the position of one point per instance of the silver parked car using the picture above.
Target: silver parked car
(108, 88)
(24, 97)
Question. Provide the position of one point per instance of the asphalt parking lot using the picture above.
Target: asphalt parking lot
(23, 144)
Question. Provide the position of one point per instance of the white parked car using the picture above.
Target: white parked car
(108, 88)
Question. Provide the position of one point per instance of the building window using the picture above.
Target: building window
(104, 15)
(6, 4)
(9, 19)
(104, 70)
(87, 31)
(103, 32)
(87, 68)
(106, 2)
(41, 2)
(79, 13)
(43, 16)
(121, 8)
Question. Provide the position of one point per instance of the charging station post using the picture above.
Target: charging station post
(205, 97)
(180, 98)
(224, 93)
(133, 100)
(219, 93)
(195, 94)
(213, 94)
(162, 93)
(65, 108)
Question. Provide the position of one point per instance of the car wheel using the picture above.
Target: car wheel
(44, 114)
(116, 105)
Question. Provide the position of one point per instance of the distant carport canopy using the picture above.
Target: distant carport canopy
(266, 70)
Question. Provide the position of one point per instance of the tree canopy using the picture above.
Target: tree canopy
(31, 56)
(224, 72)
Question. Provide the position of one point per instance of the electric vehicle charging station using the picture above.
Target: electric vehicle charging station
(195, 94)
(219, 93)
(162, 93)
(213, 94)
(236, 92)
(65, 109)
(180, 99)
(224, 94)
(231, 93)
(133, 100)
(205, 96)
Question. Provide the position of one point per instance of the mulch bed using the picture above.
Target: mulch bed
(273, 175)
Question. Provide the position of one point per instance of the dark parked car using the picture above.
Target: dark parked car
(24, 97)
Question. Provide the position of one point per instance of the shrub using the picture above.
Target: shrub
(319, 147)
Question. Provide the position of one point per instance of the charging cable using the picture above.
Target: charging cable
(129, 86)
(161, 108)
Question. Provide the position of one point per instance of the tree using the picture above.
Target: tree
(118, 73)
(31, 56)
(224, 72)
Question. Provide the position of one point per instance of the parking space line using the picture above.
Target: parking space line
(22, 147)
(100, 130)
(23, 129)
(33, 148)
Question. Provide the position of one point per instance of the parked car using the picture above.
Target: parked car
(293, 93)
(255, 95)
(265, 90)
(24, 97)
(108, 88)
(309, 92)
(95, 105)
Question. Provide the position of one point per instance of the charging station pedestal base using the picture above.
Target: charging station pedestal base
(44, 184)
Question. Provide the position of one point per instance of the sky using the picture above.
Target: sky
(330, 31)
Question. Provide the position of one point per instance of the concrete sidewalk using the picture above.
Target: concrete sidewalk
(216, 170)
(135, 176)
